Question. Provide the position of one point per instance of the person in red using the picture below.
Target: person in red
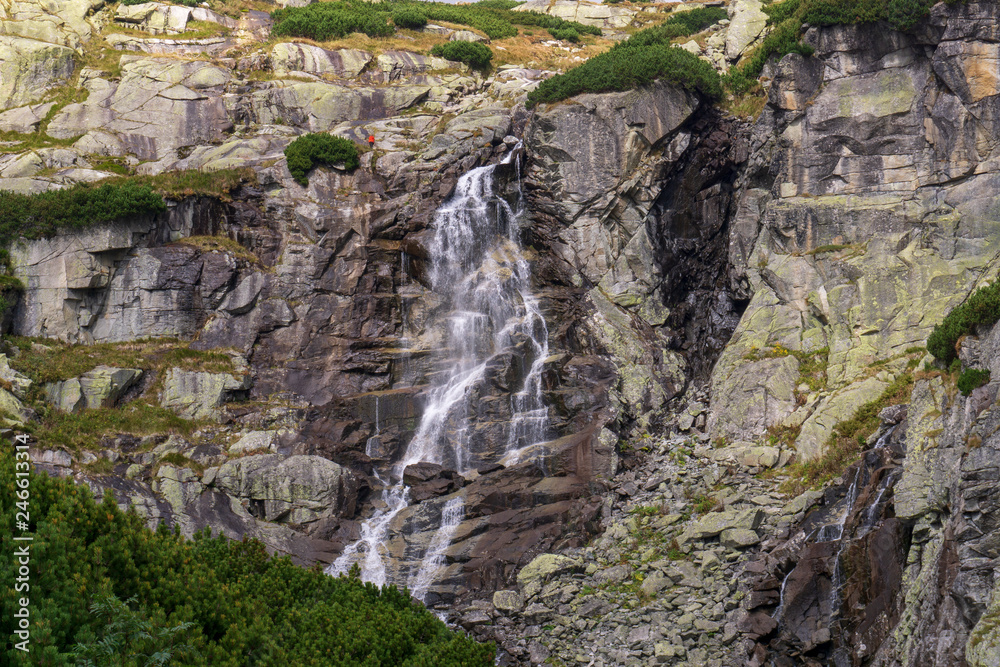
(371, 141)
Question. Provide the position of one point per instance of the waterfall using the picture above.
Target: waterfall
(493, 324)
(451, 515)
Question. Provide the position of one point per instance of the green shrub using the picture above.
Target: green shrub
(310, 150)
(409, 18)
(565, 34)
(980, 309)
(777, 12)
(331, 20)
(624, 67)
(473, 54)
(550, 22)
(498, 4)
(43, 214)
(233, 604)
(696, 20)
(835, 12)
(782, 40)
(904, 15)
(972, 378)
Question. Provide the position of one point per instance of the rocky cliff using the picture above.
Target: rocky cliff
(722, 298)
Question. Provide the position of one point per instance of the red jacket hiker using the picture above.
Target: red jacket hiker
(371, 140)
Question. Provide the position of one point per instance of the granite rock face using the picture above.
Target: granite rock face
(864, 236)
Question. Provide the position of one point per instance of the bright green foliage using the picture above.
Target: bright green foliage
(40, 215)
(639, 60)
(566, 34)
(245, 607)
(626, 66)
(310, 150)
(696, 20)
(981, 309)
(972, 378)
(550, 22)
(906, 14)
(901, 14)
(331, 20)
(498, 4)
(781, 11)
(409, 18)
(473, 54)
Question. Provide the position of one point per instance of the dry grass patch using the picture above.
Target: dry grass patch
(528, 50)
(194, 30)
(45, 360)
(221, 244)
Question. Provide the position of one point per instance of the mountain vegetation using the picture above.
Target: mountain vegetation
(314, 149)
(206, 601)
(331, 20)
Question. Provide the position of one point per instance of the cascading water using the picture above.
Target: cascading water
(815, 611)
(492, 320)
(451, 516)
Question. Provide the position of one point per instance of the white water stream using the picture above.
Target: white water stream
(478, 266)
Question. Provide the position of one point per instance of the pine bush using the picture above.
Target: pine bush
(409, 18)
(473, 54)
(565, 34)
(311, 150)
(332, 20)
(243, 606)
(40, 215)
(625, 67)
(972, 378)
(980, 309)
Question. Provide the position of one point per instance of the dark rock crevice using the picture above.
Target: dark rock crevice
(689, 225)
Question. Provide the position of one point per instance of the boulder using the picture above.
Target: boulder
(154, 17)
(755, 396)
(18, 382)
(468, 36)
(254, 441)
(341, 63)
(427, 480)
(24, 119)
(508, 602)
(747, 22)
(242, 299)
(588, 13)
(738, 538)
(31, 68)
(300, 489)
(65, 22)
(199, 395)
(159, 105)
(97, 388)
(533, 576)
(714, 523)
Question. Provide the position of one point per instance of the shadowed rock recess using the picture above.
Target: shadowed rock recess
(648, 321)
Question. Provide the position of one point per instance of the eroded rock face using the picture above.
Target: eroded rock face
(297, 490)
(862, 234)
(31, 68)
(99, 388)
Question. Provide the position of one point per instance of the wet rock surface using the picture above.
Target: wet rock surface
(719, 296)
